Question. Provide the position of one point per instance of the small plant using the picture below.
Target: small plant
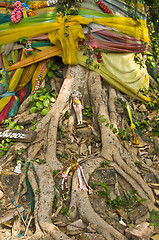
(33, 128)
(138, 164)
(154, 95)
(60, 134)
(88, 111)
(67, 8)
(55, 202)
(104, 164)
(130, 199)
(66, 115)
(53, 70)
(142, 124)
(8, 123)
(55, 172)
(64, 156)
(37, 191)
(41, 161)
(155, 130)
(4, 146)
(154, 218)
(92, 185)
(40, 101)
(122, 103)
(64, 210)
(19, 155)
(124, 134)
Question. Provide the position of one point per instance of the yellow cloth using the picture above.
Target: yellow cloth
(16, 77)
(40, 55)
(26, 76)
(66, 32)
(37, 72)
(12, 85)
(67, 35)
(123, 66)
(4, 101)
(115, 81)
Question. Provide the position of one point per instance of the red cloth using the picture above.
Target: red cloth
(21, 95)
(6, 109)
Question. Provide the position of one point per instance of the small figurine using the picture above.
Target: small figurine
(18, 167)
(76, 96)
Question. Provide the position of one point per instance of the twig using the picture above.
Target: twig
(21, 216)
(134, 97)
(28, 226)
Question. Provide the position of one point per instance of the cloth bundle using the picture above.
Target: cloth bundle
(119, 34)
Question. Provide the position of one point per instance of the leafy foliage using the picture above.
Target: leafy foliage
(41, 100)
(130, 199)
(152, 7)
(154, 218)
(67, 8)
(60, 134)
(88, 111)
(4, 146)
(8, 123)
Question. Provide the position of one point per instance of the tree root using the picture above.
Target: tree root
(86, 212)
(103, 111)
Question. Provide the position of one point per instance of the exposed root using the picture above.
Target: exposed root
(122, 160)
(111, 106)
(46, 196)
(117, 158)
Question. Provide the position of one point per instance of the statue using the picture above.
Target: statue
(76, 96)
(18, 167)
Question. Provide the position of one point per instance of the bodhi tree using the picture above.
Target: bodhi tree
(85, 124)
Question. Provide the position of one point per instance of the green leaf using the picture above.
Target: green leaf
(58, 74)
(18, 127)
(42, 97)
(34, 54)
(46, 103)
(34, 122)
(114, 130)
(39, 105)
(103, 120)
(50, 74)
(44, 111)
(48, 87)
(54, 67)
(102, 193)
(33, 128)
(54, 94)
(32, 98)
(5, 149)
(85, 52)
(33, 110)
(153, 64)
(48, 64)
(11, 125)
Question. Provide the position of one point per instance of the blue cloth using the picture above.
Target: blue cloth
(7, 94)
